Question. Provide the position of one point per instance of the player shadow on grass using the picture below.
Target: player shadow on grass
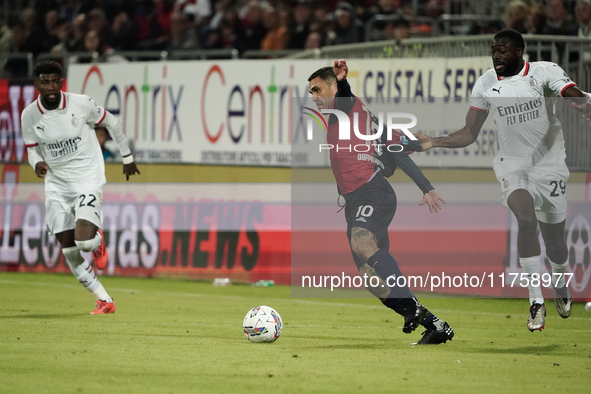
(535, 350)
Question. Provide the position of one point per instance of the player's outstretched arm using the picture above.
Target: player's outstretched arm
(463, 137)
(584, 105)
(410, 168)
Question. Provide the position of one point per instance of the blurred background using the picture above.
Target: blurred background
(118, 31)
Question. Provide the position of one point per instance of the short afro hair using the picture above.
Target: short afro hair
(325, 73)
(47, 67)
(512, 35)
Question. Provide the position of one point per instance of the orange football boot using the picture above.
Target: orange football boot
(103, 307)
(101, 257)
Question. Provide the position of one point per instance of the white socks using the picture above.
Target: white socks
(531, 265)
(558, 269)
(84, 273)
(90, 245)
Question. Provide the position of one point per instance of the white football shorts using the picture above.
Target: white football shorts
(546, 183)
(62, 211)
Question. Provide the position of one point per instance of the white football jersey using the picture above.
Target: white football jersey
(67, 142)
(523, 110)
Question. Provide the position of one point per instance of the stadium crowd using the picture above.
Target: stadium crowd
(101, 26)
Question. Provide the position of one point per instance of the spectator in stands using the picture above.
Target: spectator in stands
(225, 30)
(70, 9)
(51, 37)
(313, 41)
(583, 15)
(276, 37)
(79, 29)
(362, 9)
(254, 29)
(401, 29)
(182, 34)
(63, 33)
(433, 9)
(416, 28)
(536, 24)
(34, 32)
(95, 45)
(516, 16)
(97, 21)
(285, 12)
(320, 28)
(14, 67)
(322, 21)
(164, 10)
(123, 33)
(302, 15)
(560, 22)
(148, 31)
(51, 18)
(386, 7)
(383, 29)
(5, 36)
(94, 42)
(221, 7)
(347, 29)
(536, 19)
(321, 14)
(213, 39)
(232, 31)
(231, 36)
(197, 10)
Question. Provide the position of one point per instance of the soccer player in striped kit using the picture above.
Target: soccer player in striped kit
(58, 130)
(371, 201)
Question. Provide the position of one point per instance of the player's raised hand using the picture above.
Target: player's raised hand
(130, 169)
(425, 140)
(584, 109)
(432, 199)
(41, 169)
(340, 69)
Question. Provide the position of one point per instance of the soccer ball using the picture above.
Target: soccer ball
(262, 324)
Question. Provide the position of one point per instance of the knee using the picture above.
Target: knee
(73, 256)
(557, 252)
(364, 249)
(363, 243)
(527, 223)
(358, 250)
(85, 246)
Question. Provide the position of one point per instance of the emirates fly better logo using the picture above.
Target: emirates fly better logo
(374, 129)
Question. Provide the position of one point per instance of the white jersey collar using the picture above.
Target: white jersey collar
(524, 71)
(43, 110)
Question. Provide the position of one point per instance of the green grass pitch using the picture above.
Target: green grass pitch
(172, 336)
